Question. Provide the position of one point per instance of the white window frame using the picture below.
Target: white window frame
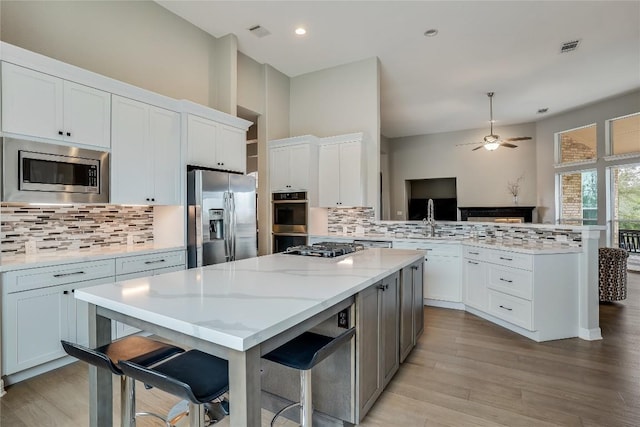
(558, 149)
(558, 191)
(609, 143)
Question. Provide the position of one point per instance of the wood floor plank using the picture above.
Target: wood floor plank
(464, 371)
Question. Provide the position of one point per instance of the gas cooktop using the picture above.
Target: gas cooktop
(324, 249)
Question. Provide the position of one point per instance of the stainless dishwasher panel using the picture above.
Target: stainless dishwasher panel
(374, 243)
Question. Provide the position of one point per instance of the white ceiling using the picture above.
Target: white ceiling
(439, 84)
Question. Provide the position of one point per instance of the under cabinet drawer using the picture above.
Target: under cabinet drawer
(511, 281)
(134, 264)
(511, 259)
(512, 309)
(472, 252)
(42, 277)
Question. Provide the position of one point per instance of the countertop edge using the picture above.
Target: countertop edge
(47, 260)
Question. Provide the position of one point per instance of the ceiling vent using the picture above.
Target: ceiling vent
(569, 46)
(259, 31)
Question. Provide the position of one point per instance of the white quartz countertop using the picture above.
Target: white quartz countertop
(47, 259)
(512, 245)
(243, 303)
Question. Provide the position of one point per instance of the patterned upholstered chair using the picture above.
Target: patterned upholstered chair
(613, 274)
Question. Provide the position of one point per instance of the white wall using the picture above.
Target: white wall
(482, 175)
(340, 100)
(137, 42)
(265, 91)
(546, 129)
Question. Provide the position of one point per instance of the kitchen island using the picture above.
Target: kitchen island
(242, 310)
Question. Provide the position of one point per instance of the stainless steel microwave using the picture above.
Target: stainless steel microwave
(39, 172)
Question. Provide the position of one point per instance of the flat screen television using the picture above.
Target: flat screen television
(444, 209)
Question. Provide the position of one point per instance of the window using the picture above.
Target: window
(625, 200)
(577, 145)
(624, 135)
(578, 198)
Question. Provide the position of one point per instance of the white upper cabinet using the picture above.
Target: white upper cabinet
(293, 164)
(145, 154)
(44, 106)
(341, 168)
(215, 145)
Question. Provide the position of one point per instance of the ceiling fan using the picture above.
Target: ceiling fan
(492, 142)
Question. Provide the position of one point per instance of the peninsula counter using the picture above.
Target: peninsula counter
(238, 311)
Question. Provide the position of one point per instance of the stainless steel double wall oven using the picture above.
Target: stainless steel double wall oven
(290, 216)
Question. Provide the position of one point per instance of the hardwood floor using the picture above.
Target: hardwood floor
(464, 371)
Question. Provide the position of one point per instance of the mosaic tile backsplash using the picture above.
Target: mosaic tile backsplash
(77, 227)
(339, 218)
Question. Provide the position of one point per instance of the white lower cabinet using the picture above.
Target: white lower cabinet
(442, 276)
(532, 294)
(475, 287)
(39, 308)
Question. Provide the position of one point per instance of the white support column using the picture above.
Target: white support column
(589, 300)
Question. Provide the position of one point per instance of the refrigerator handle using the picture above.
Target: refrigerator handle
(227, 227)
(233, 226)
(197, 208)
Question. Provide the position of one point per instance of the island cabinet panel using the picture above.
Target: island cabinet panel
(377, 339)
(411, 308)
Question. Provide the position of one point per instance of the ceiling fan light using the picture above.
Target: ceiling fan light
(491, 138)
(490, 146)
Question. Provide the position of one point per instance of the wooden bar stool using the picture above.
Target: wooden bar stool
(303, 353)
(144, 351)
(195, 376)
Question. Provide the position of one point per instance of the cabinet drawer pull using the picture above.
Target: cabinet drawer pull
(506, 308)
(383, 287)
(472, 262)
(474, 253)
(65, 292)
(414, 267)
(158, 261)
(425, 249)
(75, 273)
(506, 280)
(506, 259)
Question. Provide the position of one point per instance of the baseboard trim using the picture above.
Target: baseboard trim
(2, 390)
(444, 304)
(594, 334)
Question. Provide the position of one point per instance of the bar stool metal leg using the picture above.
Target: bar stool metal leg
(196, 415)
(306, 405)
(127, 401)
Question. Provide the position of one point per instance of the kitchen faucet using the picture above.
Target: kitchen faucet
(430, 221)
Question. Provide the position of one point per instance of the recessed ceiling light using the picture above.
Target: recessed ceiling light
(543, 110)
(301, 31)
(431, 33)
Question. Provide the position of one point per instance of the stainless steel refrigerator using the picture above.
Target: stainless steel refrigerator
(221, 217)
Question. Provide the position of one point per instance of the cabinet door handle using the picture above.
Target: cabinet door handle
(505, 308)
(414, 267)
(68, 133)
(65, 292)
(75, 273)
(158, 261)
(60, 132)
(472, 262)
(506, 280)
(506, 259)
(383, 287)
